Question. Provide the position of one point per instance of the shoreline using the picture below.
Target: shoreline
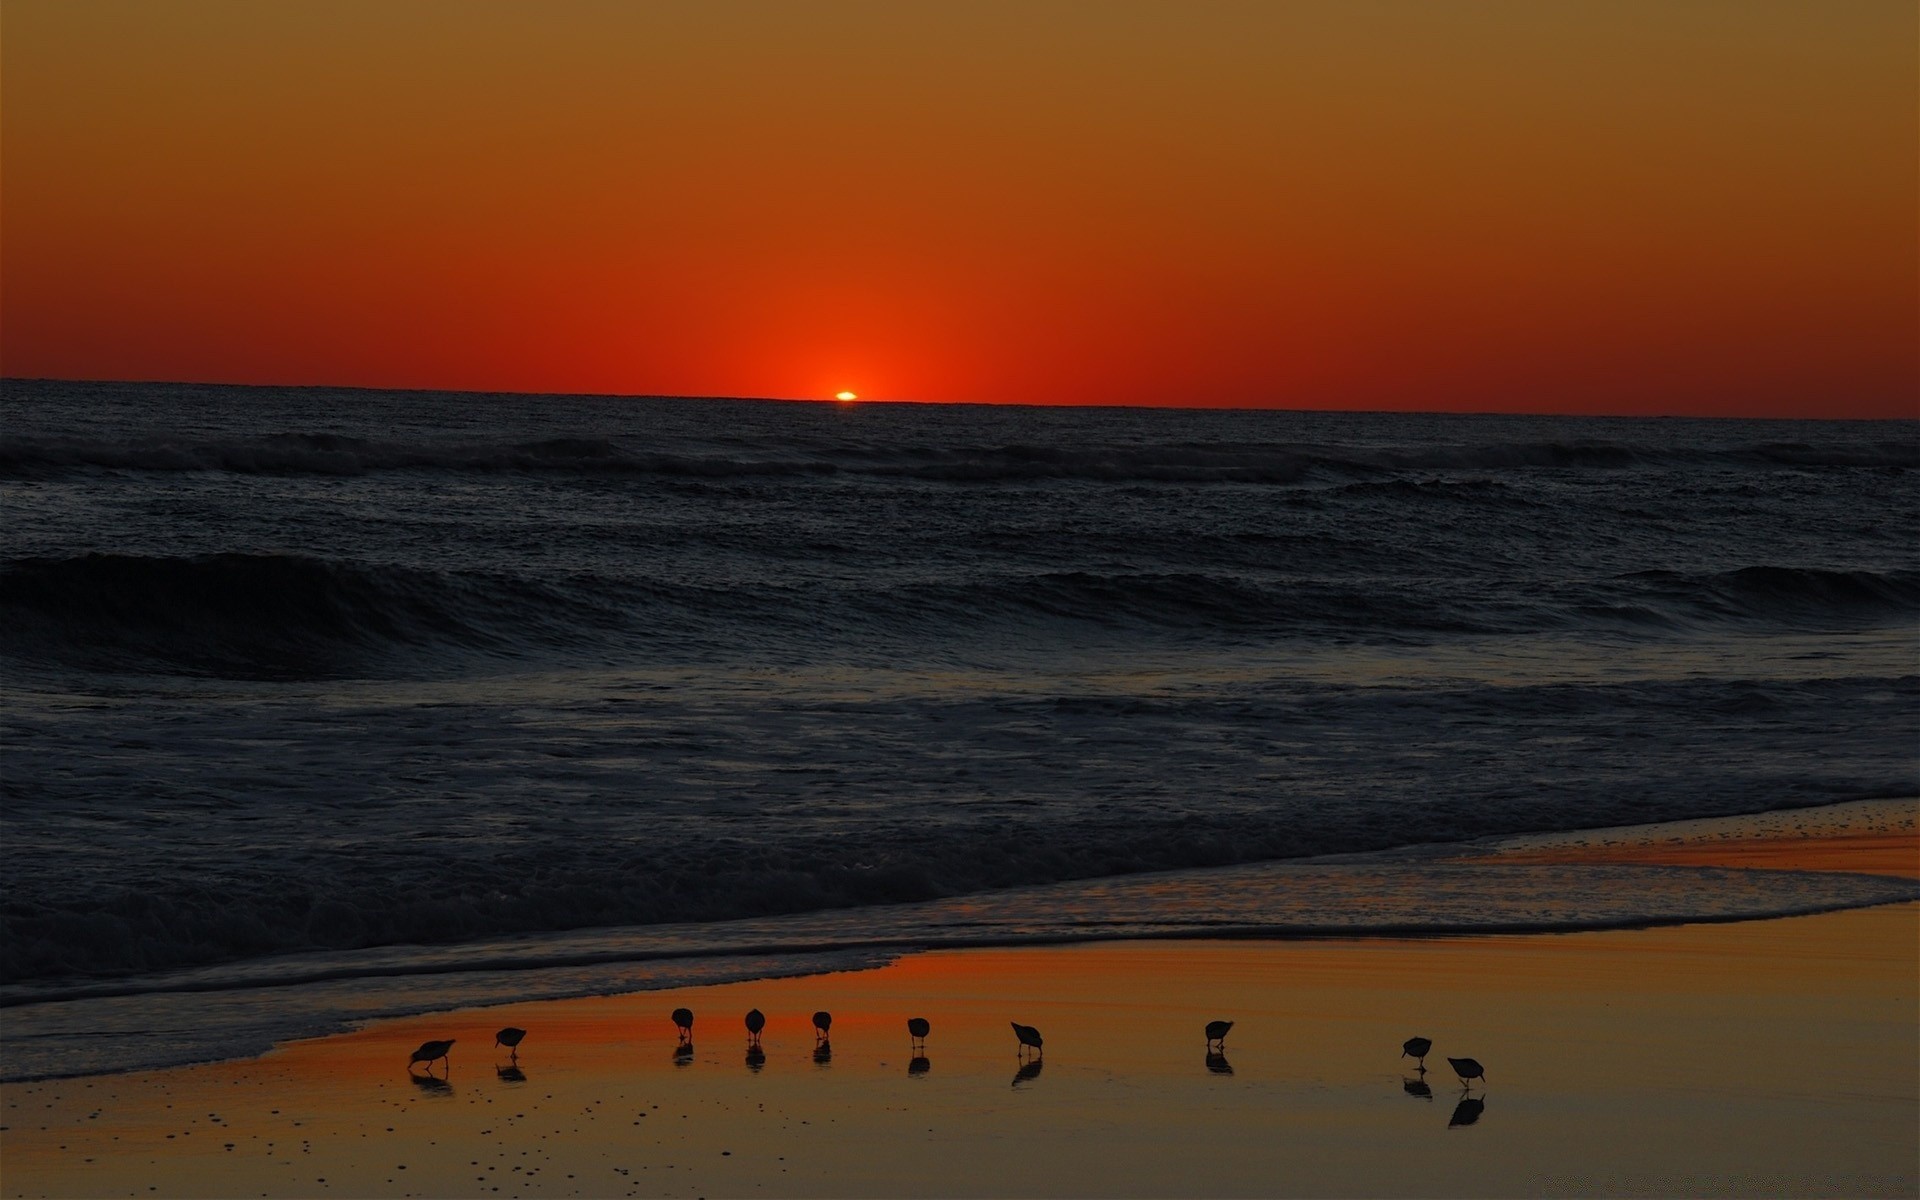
(1758, 1057)
(1620, 1062)
(1839, 857)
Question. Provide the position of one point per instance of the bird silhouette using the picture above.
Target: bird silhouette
(1217, 1032)
(822, 1021)
(429, 1052)
(917, 1030)
(1467, 1068)
(756, 1021)
(1028, 1036)
(1467, 1111)
(510, 1038)
(683, 1021)
(1416, 1048)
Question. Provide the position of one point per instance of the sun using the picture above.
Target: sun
(844, 396)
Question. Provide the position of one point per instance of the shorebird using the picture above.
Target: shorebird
(683, 1021)
(822, 1021)
(1467, 1068)
(1028, 1035)
(1416, 1048)
(429, 1053)
(756, 1021)
(917, 1030)
(510, 1038)
(1217, 1032)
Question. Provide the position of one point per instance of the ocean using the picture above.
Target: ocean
(326, 703)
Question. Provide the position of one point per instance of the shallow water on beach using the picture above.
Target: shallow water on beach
(296, 675)
(239, 1009)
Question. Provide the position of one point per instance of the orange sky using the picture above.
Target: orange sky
(1586, 207)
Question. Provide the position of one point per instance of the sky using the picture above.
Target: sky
(1539, 205)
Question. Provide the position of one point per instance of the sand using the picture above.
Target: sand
(1763, 1058)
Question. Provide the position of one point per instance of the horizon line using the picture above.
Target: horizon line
(896, 402)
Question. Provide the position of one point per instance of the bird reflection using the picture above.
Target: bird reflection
(919, 1065)
(683, 1054)
(433, 1084)
(511, 1074)
(756, 1057)
(823, 1052)
(1467, 1111)
(1418, 1087)
(1218, 1064)
(1028, 1070)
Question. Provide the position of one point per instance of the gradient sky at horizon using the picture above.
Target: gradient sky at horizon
(1517, 205)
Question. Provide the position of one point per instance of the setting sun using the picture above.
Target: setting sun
(845, 396)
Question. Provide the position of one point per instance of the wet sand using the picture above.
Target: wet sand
(1763, 1058)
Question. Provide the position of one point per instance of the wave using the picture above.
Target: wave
(272, 616)
(289, 616)
(1796, 596)
(326, 454)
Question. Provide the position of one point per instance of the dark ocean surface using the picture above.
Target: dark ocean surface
(308, 672)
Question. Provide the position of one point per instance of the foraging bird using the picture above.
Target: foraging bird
(1217, 1032)
(917, 1030)
(1467, 1068)
(683, 1021)
(1416, 1047)
(510, 1038)
(430, 1052)
(756, 1021)
(1028, 1035)
(822, 1021)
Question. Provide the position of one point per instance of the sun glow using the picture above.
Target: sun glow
(844, 396)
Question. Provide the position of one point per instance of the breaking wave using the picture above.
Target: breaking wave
(273, 616)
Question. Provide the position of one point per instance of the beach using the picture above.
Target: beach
(1773, 1057)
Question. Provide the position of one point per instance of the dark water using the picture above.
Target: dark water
(298, 671)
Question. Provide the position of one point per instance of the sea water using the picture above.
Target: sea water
(315, 686)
